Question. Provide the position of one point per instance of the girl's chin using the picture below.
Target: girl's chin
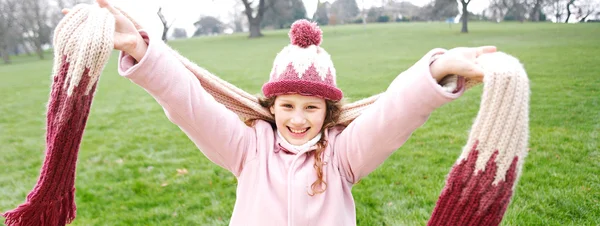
(293, 140)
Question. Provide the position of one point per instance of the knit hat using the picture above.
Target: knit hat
(303, 67)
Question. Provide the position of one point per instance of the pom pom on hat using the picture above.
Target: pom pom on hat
(304, 33)
(303, 67)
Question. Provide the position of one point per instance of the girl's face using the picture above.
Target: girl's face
(299, 118)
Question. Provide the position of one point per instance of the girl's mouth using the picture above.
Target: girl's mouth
(298, 133)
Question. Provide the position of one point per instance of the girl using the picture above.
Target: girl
(301, 169)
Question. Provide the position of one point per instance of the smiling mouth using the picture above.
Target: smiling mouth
(295, 131)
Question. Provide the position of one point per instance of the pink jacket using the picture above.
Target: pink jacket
(274, 182)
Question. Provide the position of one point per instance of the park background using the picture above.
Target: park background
(137, 168)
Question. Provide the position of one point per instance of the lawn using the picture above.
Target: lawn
(137, 168)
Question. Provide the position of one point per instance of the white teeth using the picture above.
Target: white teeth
(298, 131)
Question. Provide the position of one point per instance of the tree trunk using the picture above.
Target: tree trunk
(254, 21)
(535, 12)
(39, 50)
(582, 20)
(164, 35)
(255, 29)
(558, 13)
(27, 47)
(165, 25)
(465, 16)
(569, 10)
(5, 55)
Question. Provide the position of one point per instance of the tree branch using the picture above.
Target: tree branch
(248, 10)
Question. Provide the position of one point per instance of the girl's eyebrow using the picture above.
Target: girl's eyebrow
(306, 103)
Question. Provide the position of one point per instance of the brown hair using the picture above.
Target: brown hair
(332, 114)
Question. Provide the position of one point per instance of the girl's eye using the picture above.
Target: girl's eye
(286, 105)
(312, 107)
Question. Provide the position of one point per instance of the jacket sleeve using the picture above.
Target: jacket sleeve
(388, 123)
(215, 130)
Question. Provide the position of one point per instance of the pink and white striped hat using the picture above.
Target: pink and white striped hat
(303, 67)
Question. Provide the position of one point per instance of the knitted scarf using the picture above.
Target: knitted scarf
(477, 191)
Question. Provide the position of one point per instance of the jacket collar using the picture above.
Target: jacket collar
(295, 149)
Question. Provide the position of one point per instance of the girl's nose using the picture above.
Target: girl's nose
(298, 119)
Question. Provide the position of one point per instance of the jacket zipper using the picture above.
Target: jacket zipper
(291, 171)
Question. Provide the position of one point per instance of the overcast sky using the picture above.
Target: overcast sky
(184, 13)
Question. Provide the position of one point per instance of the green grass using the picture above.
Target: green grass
(127, 170)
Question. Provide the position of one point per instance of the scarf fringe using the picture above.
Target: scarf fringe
(57, 212)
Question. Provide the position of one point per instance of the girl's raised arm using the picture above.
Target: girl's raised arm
(218, 132)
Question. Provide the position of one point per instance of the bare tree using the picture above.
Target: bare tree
(465, 15)
(7, 34)
(321, 15)
(179, 33)
(208, 25)
(442, 9)
(536, 10)
(27, 25)
(283, 13)
(345, 11)
(569, 4)
(587, 8)
(34, 19)
(255, 15)
(238, 18)
(166, 25)
(556, 8)
(523, 9)
(518, 10)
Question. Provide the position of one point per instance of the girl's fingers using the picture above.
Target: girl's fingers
(484, 49)
(105, 4)
(65, 11)
(477, 73)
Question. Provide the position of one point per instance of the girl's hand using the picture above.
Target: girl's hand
(460, 61)
(127, 38)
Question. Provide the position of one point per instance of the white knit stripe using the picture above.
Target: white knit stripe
(504, 128)
(492, 142)
(71, 46)
(105, 25)
(98, 41)
(519, 130)
(496, 92)
(523, 121)
(502, 121)
(85, 50)
(106, 45)
(82, 54)
(68, 27)
(85, 37)
(70, 42)
(486, 124)
(301, 59)
(324, 65)
(519, 119)
(478, 125)
(72, 50)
